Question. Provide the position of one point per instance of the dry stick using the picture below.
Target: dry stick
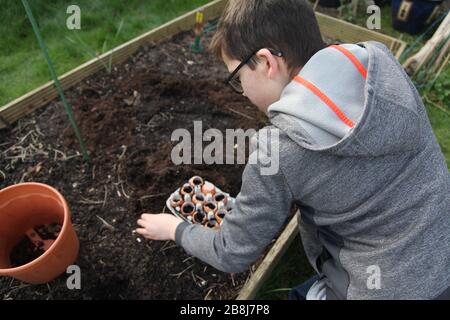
(241, 114)
(117, 190)
(179, 274)
(193, 277)
(315, 5)
(22, 286)
(105, 223)
(3, 174)
(123, 191)
(56, 151)
(203, 281)
(87, 201)
(232, 280)
(187, 259)
(168, 248)
(435, 105)
(151, 196)
(106, 196)
(4, 144)
(25, 136)
(414, 63)
(207, 295)
(437, 62)
(165, 244)
(50, 291)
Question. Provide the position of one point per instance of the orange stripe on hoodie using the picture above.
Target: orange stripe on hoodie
(322, 96)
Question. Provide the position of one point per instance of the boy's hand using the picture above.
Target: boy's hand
(158, 226)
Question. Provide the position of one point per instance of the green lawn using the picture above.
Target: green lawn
(104, 25)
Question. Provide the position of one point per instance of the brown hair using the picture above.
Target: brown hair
(289, 26)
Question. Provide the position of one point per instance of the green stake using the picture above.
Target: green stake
(66, 104)
(198, 32)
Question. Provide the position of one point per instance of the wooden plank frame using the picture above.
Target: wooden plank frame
(331, 28)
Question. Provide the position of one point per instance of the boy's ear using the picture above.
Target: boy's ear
(270, 62)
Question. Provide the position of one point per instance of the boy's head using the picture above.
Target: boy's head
(270, 40)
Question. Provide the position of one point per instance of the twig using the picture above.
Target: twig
(87, 201)
(123, 191)
(179, 274)
(435, 105)
(241, 114)
(168, 248)
(50, 291)
(315, 5)
(203, 281)
(187, 259)
(3, 174)
(23, 177)
(151, 196)
(123, 152)
(4, 144)
(39, 131)
(24, 137)
(193, 277)
(22, 286)
(74, 156)
(64, 157)
(207, 295)
(106, 224)
(106, 196)
(164, 246)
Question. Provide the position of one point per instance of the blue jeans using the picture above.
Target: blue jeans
(300, 292)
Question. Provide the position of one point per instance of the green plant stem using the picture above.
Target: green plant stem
(66, 104)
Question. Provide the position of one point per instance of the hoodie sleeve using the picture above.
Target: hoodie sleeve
(259, 213)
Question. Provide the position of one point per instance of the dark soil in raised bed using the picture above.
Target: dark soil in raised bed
(127, 118)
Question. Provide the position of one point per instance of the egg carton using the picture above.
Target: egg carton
(200, 202)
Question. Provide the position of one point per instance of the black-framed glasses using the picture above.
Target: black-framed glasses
(233, 79)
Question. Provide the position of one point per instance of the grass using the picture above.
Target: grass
(105, 24)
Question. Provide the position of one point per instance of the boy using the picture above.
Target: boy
(357, 155)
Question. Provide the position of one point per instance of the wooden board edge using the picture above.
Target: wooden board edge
(250, 289)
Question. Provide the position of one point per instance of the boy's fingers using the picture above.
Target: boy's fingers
(142, 223)
(146, 216)
(141, 231)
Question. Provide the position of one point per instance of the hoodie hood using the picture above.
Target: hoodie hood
(337, 103)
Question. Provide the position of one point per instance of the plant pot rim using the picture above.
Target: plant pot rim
(64, 227)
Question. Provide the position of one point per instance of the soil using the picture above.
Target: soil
(127, 118)
(26, 251)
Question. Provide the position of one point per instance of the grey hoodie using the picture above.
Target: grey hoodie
(358, 157)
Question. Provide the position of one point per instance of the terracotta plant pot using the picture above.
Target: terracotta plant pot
(23, 207)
